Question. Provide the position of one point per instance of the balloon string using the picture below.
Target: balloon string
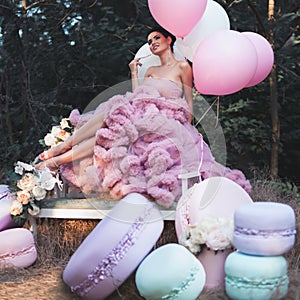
(206, 112)
(201, 161)
(218, 111)
(184, 48)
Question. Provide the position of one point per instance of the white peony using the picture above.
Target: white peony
(19, 170)
(215, 233)
(194, 248)
(47, 181)
(16, 208)
(55, 130)
(27, 167)
(218, 240)
(39, 193)
(208, 224)
(23, 197)
(27, 182)
(198, 235)
(64, 123)
(20, 167)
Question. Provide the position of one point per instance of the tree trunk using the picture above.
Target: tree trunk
(274, 100)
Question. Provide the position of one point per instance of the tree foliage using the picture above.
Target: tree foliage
(56, 55)
(246, 115)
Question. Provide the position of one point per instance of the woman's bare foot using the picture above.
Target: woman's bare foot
(51, 164)
(57, 150)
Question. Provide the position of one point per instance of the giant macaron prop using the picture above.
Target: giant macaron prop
(115, 248)
(170, 272)
(17, 248)
(263, 233)
(6, 220)
(256, 277)
(264, 228)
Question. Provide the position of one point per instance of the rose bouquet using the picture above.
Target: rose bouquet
(214, 233)
(58, 134)
(32, 186)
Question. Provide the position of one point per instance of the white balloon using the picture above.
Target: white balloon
(148, 59)
(215, 18)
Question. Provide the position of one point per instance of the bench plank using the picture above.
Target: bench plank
(86, 208)
(83, 208)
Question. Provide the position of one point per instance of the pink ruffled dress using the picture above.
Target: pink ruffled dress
(146, 144)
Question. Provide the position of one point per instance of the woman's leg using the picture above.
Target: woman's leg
(87, 131)
(77, 152)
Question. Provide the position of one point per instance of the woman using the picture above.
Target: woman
(140, 141)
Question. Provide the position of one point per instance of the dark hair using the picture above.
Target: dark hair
(165, 33)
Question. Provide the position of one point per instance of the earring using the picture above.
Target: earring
(169, 57)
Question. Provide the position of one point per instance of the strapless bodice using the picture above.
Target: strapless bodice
(166, 88)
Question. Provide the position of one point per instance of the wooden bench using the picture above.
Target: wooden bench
(64, 206)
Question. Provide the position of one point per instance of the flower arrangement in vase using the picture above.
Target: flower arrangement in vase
(210, 239)
(214, 233)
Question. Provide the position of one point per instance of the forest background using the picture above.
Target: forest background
(58, 55)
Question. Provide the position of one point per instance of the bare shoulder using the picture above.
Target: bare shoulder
(149, 71)
(184, 65)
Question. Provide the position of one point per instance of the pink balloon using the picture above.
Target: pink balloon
(265, 57)
(224, 63)
(177, 16)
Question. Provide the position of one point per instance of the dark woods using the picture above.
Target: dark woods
(57, 55)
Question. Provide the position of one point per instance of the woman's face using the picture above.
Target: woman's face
(158, 42)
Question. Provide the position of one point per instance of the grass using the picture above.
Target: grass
(59, 239)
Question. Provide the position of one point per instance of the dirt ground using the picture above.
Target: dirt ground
(46, 284)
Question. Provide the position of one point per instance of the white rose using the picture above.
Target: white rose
(55, 131)
(27, 182)
(16, 208)
(39, 193)
(49, 139)
(64, 123)
(218, 240)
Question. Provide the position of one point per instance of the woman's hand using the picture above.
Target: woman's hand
(133, 65)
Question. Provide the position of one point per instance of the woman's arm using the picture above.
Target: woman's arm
(187, 81)
(133, 65)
